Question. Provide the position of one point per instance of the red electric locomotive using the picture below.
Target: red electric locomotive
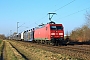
(50, 33)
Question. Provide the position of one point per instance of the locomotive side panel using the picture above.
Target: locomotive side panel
(42, 33)
(47, 33)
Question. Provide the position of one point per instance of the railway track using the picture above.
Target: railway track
(76, 48)
(83, 46)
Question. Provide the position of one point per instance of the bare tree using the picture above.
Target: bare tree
(87, 16)
(82, 34)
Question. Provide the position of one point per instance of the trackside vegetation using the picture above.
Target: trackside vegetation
(82, 34)
(1, 48)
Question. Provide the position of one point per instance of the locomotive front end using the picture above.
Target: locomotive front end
(57, 33)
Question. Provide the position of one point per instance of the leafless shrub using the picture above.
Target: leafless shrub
(2, 36)
(82, 34)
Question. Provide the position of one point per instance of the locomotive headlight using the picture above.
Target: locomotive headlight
(60, 33)
(52, 33)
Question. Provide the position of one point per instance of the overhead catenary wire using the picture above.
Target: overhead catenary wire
(41, 19)
(75, 13)
(64, 6)
(57, 9)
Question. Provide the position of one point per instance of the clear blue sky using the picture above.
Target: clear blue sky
(31, 12)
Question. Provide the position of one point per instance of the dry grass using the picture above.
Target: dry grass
(11, 53)
(1, 46)
(34, 53)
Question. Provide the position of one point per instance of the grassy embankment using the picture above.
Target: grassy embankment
(34, 53)
(1, 49)
(11, 53)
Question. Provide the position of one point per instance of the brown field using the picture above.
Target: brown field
(17, 50)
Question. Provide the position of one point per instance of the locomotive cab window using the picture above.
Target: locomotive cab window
(53, 27)
(59, 28)
(56, 27)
